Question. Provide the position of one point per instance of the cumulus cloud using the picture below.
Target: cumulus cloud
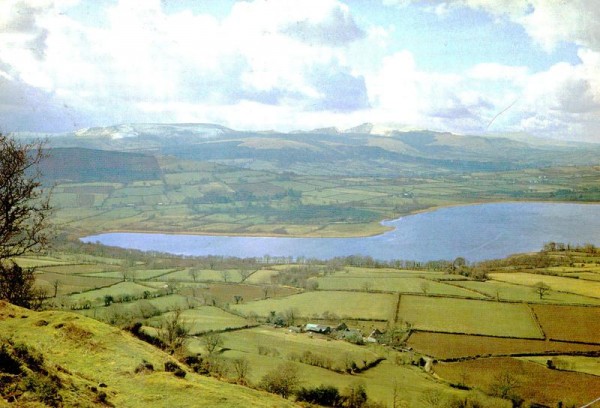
(262, 52)
(284, 64)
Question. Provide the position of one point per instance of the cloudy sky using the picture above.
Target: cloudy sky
(465, 66)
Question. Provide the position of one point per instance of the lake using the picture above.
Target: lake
(475, 232)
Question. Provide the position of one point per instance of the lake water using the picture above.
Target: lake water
(475, 232)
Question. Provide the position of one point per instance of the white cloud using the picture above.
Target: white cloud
(287, 64)
(268, 52)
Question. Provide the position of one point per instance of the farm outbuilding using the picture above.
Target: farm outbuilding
(317, 328)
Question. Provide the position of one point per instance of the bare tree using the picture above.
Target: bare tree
(425, 287)
(541, 289)
(211, 341)
(194, 274)
(241, 366)
(173, 331)
(265, 291)
(505, 385)
(245, 274)
(225, 275)
(291, 315)
(367, 286)
(24, 205)
(24, 213)
(55, 285)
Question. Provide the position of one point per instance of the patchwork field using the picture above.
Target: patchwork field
(451, 346)
(227, 293)
(278, 346)
(468, 316)
(588, 365)
(393, 284)
(570, 323)
(71, 283)
(557, 283)
(355, 305)
(204, 275)
(204, 319)
(519, 293)
(262, 276)
(530, 380)
(119, 289)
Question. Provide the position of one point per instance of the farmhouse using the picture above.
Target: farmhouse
(317, 328)
(375, 336)
(349, 334)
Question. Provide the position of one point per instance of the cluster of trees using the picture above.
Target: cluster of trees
(285, 381)
(562, 247)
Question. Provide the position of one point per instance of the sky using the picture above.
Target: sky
(487, 67)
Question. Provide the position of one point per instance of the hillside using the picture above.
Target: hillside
(358, 151)
(79, 165)
(70, 360)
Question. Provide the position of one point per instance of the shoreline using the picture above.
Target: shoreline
(386, 228)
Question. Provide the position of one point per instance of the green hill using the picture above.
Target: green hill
(79, 165)
(64, 359)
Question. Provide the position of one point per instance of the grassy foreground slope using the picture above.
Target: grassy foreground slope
(85, 363)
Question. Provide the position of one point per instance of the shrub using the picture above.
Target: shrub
(8, 363)
(325, 395)
(171, 367)
(144, 366)
(283, 380)
(45, 390)
(33, 360)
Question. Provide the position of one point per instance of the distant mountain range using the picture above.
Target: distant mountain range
(367, 149)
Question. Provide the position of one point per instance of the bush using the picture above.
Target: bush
(283, 380)
(355, 396)
(325, 395)
(33, 360)
(8, 363)
(45, 390)
(144, 366)
(171, 367)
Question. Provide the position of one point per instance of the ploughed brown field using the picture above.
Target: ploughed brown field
(533, 381)
(451, 346)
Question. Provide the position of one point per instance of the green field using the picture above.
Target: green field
(556, 283)
(204, 319)
(392, 284)
(521, 293)
(353, 305)
(288, 345)
(468, 316)
(278, 346)
(119, 289)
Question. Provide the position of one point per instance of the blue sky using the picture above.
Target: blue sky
(290, 64)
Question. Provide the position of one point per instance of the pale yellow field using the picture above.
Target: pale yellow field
(579, 287)
(468, 316)
(356, 305)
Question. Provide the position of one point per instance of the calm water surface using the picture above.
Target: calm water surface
(475, 232)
